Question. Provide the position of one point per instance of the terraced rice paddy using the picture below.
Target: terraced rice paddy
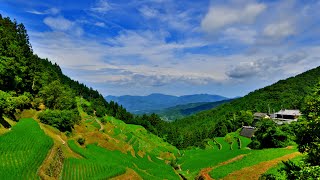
(100, 163)
(22, 150)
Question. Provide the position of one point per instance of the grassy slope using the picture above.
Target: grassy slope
(26, 146)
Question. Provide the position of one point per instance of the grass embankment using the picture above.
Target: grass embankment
(253, 158)
(23, 150)
(103, 164)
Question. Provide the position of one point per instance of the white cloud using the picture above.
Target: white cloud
(268, 66)
(148, 12)
(221, 16)
(58, 23)
(64, 25)
(279, 30)
(243, 35)
(102, 6)
(100, 24)
(51, 11)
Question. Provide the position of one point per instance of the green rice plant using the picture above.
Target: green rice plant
(253, 158)
(197, 159)
(23, 150)
(100, 163)
(244, 142)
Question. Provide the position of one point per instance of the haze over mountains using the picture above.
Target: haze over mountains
(157, 101)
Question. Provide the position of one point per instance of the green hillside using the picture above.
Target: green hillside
(228, 117)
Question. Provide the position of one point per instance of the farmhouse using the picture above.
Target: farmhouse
(247, 131)
(259, 115)
(286, 116)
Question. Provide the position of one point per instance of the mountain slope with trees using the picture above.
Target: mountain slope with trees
(289, 94)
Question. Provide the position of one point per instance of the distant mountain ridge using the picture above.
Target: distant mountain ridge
(181, 111)
(157, 101)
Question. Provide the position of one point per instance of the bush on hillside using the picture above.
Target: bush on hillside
(269, 135)
(81, 141)
(63, 120)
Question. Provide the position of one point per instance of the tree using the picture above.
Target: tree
(308, 135)
(269, 135)
(58, 96)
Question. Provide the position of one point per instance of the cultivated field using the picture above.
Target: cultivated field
(100, 163)
(22, 150)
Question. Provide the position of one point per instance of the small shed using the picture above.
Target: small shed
(248, 131)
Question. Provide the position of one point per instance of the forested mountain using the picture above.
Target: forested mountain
(152, 102)
(180, 111)
(228, 117)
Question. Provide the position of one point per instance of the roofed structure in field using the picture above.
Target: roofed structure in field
(247, 131)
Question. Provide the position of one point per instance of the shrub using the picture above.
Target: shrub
(81, 141)
(63, 120)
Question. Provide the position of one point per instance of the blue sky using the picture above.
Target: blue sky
(226, 47)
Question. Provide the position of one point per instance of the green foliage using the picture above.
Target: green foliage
(81, 141)
(269, 135)
(58, 96)
(23, 150)
(9, 102)
(60, 119)
(309, 128)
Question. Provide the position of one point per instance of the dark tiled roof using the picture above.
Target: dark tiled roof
(247, 131)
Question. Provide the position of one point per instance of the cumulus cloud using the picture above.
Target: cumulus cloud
(58, 23)
(279, 30)
(62, 24)
(221, 16)
(266, 66)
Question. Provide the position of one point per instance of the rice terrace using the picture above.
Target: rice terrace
(159, 90)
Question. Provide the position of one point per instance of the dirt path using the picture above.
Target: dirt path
(101, 125)
(45, 164)
(204, 173)
(254, 172)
